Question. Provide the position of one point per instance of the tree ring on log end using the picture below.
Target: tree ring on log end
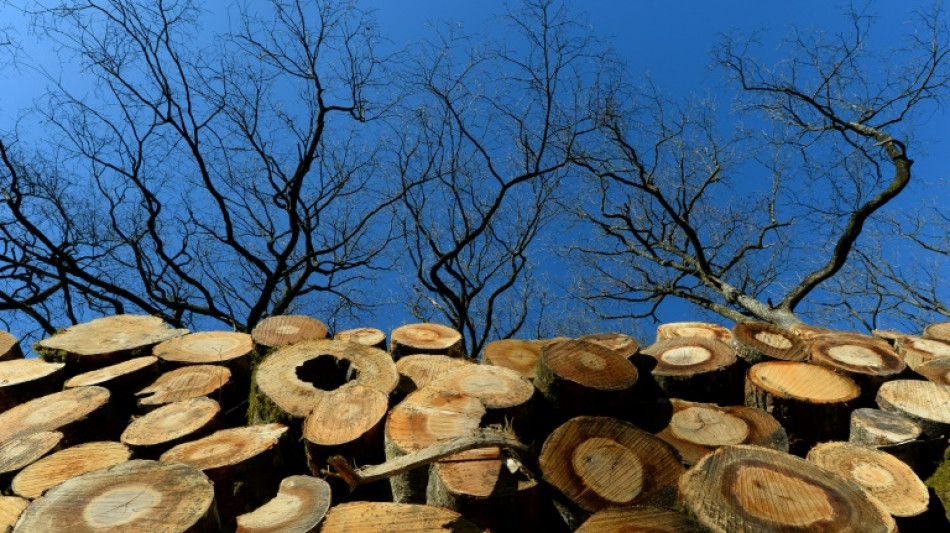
(590, 365)
(856, 353)
(708, 427)
(803, 381)
(685, 356)
(625, 345)
(757, 340)
(763, 490)
(121, 505)
(609, 469)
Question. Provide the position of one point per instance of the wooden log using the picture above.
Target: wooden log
(693, 329)
(937, 371)
(424, 418)
(418, 370)
(282, 330)
(808, 332)
(875, 427)
(157, 432)
(131, 496)
(226, 348)
(881, 475)
(939, 330)
(18, 453)
(506, 394)
(866, 360)
(105, 341)
(924, 402)
(758, 341)
(299, 507)
(519, 355)
(639, 520)
(122, 380)
(9, 347)
(65, 464)
(812, 402)
(425, 338)
(919, 350)
(699, 369)
(11, 507)
(696, 429)
(579, 377)
(80, 414)
(245, 465)
(599, 462)
(625, 345)
(290, 381)
(887, 335)
(386, 517)
(749, 488)
(22, 380)
(372, 337)
(193, 382)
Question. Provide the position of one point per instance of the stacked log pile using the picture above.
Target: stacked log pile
(126, 424)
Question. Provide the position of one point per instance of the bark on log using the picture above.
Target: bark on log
(879, 474)
(519, 355)
(226, 348)
(639, 520)
(758, 341)
(157, 432)
(385, 517)
(131, 497)
(696, 429)
(22, 380)
(281, 330)
(939, 330)
(192, 382)
(425, 338)
(868, 361)
(418, 370)
(924, 402)
(16, 454)
(812, 402)
(299, 507)
(80, 414)
(624, 345)
(671, 330)
(698, 369)
(748, 488)
(372, 337)
(599, 462)
(65, 464)
(937, 371)
(245, 464)
(580, 377)
(9, 348)
(423, 419)
(11, 507)
(919, 350)
(875, 427)
(105, 341)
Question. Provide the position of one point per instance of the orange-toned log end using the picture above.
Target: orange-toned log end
(65, 464)
(131, 496)
(599, 462)
(300, 505)
(639, 520)
(519, 355)
(748, 488)
(11, 507)
(281, 330)
(579, 377)
(758, 341)
(425, 338)
(625, 345)
(879, 474)
(347, 422)
(385, 517)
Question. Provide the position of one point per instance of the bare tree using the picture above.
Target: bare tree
(209, 174)
(491, 132)
(750, 224)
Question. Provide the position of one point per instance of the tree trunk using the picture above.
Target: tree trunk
(758, 341)
(748, 488)
(384, 517)
(133, 496)
(624, 345)
(300, 505)
(9, 348)
(697, 429)
(518, 355)
(80, 414)
(18, 453)
(672, 330)
(425, 338)
(245, 465)
(698, 369)
(639, 520)
(22, 380)
(813, 403)
(372, 337)
(65, 464)
(924, 402)
(155, 433)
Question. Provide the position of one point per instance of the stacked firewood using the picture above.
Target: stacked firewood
(126, 424)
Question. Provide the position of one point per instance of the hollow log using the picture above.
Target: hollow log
(749, 488)
(16, 454)
(693, 329)
(245, 465)
(80, 414)
(155, 433)
(105, 341)
(11, 507)
(919, 350)
(639, 520)
(387, 517)
(519, 355)
(418, 370)
(866, 360)
(758, 341)
(579, 377)
(9, 347)
(924, 402)
(133, 496)
(697, 369)
(299, 507)
(22, 380)
(226, 348)
(879, 474)
(599, 462)
(624, 345)
(812, 402)
(697, 429)
(425, 338)
(65, 464)
(372, 337)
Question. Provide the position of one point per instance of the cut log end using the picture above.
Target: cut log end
(300, 505)
(282, 330)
